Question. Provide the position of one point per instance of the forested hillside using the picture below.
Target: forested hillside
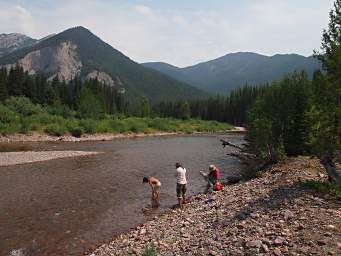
(234, 70)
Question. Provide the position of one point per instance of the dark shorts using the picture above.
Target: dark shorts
(181, 190)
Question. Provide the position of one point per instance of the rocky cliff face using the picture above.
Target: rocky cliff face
(61, 61)
(14, 41)
(102, 77)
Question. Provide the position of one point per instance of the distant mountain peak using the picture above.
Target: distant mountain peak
(79, 52)
(14, 41)
(233, 70)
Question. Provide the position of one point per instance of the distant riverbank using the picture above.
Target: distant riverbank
(41, 137)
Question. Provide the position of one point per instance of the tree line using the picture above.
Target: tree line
(92, 99)
(88, 98)
(231, 109)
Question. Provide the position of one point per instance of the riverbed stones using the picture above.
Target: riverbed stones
(254, 244)
(272, 215)
(278, 241)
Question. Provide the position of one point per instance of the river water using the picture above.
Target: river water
(67, 206)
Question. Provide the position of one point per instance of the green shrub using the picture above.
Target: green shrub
(60, 110)
(7, 115)
(163, 124)
(149, 251)
(10, 128)
(24, 128)
(103, 126)
(88, 125)
(76, 132)
(323, 187)
(74, 129)
(119, 126)
(137, 125)
(23, 106)
(9, 121)
(55, 130)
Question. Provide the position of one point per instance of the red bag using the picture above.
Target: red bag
(218, 186)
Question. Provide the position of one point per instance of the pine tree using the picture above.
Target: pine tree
(328, 120)
(145, 108)
(3, 84)
(185, 111)
(329, 104)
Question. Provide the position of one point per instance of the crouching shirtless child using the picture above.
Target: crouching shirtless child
(155, 184)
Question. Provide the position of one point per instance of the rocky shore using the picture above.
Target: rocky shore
(270, 215)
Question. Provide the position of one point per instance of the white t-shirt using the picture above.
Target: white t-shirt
(181, 175)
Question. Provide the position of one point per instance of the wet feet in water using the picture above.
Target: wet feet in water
(149, 209)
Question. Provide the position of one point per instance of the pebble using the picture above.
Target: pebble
(254, 244)
(277, 252)
(265, 248)
(321, 242)
(278, 241)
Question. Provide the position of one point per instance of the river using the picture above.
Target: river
(70, 205)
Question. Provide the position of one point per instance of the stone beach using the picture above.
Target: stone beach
(270, 215)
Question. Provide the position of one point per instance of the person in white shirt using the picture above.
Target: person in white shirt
(181, 184)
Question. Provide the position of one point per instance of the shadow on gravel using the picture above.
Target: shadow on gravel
(277, 197)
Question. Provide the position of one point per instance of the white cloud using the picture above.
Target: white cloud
(144, 10)
(16, 19)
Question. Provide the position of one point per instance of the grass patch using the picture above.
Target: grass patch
(324, 187)
(149, 251)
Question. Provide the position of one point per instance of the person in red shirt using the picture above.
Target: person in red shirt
(212, 177)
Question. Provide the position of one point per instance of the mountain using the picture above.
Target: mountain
(236, 69)
(78, 52)
(14, 41)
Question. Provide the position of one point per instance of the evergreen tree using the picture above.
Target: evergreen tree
(15, 81)
(3, 84)
(184, 111)
(145, 108)
(329, 91)
(280, 123)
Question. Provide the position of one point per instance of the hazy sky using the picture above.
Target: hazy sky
(180, 32)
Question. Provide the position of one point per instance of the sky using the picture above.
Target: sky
(179, 32)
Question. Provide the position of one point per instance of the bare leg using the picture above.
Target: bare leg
(180, 202)
(155, 203)
(207, 188)
(156, 198)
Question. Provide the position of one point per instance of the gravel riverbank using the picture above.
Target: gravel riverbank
(34, 137)
(270, 215)
(13, 158)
